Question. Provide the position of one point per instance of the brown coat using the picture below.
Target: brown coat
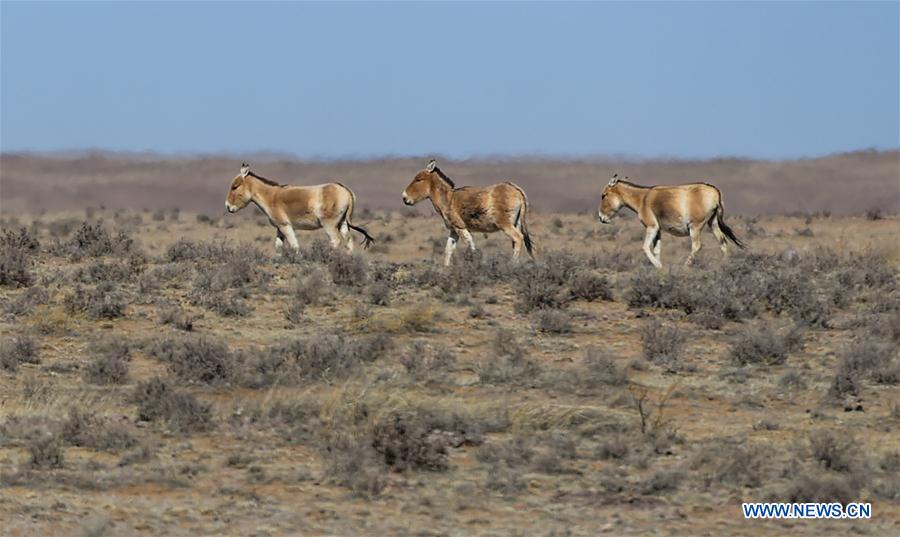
(501, 207)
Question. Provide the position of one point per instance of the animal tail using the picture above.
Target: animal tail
(523, 226)
(368, 240)
(726, 229)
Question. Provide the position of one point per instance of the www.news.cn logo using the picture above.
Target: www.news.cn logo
(807, 510)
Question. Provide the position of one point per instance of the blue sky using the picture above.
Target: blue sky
(768, 80)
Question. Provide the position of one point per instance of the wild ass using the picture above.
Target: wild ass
(328, 206)
(681, 210)
(501, 207)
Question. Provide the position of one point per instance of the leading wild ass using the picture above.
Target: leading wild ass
(681, 210)
(501, 207)
(328, 206)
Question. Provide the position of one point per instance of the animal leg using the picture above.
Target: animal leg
(287, 231)
(657, 247)
(345, 235)
(451, 245)
(334, 235)
(518, 239)
(696, 244)
(464, 233)
(279, 240)
(649, 236)
(720, 235)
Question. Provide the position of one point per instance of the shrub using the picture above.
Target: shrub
(46, 452)
(833, 451)
(197, 359)
(309, 291)
(553, 321)
(539, 287)
(312, 359)
(176, 316)
(348, 269)
(510, 366)
(765, 344)
(380, 294)
(662, 481)
(351, 462)
(517, 451)
(24, 239)
(86, 430)
(736, 464)
(824, 488)
(15, 267)
(101, 302)
(589, 286)
(404, 443)
(25, 302)
(19, 350)
(420, 360)
(599, 369)
(865, 357)
(663, 344)
(92, 240)
(111, 364)
(157, 400)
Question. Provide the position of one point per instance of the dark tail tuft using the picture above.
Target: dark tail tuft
(726, 229)
(367, 239)
(528, 246)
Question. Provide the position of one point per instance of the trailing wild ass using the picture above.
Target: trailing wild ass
(328, 206)
(681, 210)
(501, 207)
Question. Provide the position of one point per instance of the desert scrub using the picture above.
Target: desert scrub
(663, 344)
(27, 300)
(740, 465)
(93, 240)
(156, 400)
(101, 302)
(552, 321)
(310, 290)
(19, 350)
(87, 430)
(404, 442)
(510, 364)
(110, 366)
(864, 358)
(15, 258)
(46, 452)
(318, 358)
(348, 269)
(196, 359)
(765, 344)
(422, 360)
(589, 286)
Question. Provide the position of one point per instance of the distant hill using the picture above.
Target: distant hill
(847, 183)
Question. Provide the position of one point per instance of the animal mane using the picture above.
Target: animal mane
(629, 183)
(264, 180)
(444, 177)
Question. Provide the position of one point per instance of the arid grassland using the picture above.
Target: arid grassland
(167, 373)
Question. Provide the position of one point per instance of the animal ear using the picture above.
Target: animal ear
(245, 169)
(431, 165)
(614, 180)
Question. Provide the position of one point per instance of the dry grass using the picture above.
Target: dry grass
(384, 394)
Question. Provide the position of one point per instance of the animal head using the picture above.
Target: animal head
(610, 200)
(239, 195)
(420, 187)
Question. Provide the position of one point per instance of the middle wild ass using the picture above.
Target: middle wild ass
(501, 207)
(328, 206)
(681, 210)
